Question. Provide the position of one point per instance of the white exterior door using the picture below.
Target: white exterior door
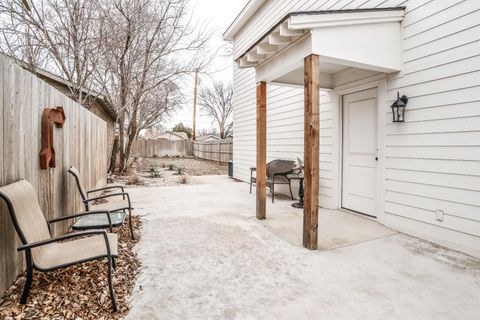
(360, 152)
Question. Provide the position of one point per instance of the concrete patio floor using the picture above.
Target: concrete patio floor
(205, 256)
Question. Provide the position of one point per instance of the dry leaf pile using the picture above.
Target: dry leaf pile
(78, 292)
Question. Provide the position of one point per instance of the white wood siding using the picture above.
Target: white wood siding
(244, 120)
(433, 159)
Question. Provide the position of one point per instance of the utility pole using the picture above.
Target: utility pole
(195, 106)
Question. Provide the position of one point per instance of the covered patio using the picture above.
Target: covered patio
(205, 256)
(307, 49)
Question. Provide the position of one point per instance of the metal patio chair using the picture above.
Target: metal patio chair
(46, 253)
(117, 206)
(277, 172)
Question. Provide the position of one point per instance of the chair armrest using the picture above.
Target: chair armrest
(283, 173)
(253, 169)
(64, 237)
(106, 188)
(81, 214)
(110, 196)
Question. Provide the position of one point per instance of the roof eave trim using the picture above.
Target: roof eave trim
(247, 12)
(324, 19)
(305, 20)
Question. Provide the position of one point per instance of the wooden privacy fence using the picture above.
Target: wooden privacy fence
(158, 148)
(221, 150)
(82, 142)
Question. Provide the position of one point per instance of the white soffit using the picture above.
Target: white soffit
(293, 28)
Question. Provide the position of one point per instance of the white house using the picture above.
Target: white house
(167, 135)
(208, 138)
(420, 176)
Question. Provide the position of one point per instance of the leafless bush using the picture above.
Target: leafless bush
(184, 179)
(134, 180)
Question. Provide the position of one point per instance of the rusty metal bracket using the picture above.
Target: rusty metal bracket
(47, 153)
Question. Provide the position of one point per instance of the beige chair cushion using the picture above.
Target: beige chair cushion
(29, 216)
(113, 204)
(66, 253)
(34, 227)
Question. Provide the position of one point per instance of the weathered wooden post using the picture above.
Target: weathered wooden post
(311, 151)
(261, 150)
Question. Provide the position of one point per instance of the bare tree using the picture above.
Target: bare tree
(202, 132)
(16, 40)
(135, 52)
(63, 35)
(216, 102)
(150, 47)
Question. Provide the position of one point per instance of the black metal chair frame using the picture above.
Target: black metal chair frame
(271, 184)
(86, 199)
(27, 247)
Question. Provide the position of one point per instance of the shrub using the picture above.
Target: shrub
(154, 173)
(133, 180)
(179, 172)
(171, 167)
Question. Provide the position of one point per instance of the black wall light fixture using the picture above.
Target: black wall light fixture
(398, 108)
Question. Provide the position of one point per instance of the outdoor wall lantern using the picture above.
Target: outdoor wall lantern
(398, 108)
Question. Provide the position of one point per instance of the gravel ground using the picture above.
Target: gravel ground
(157, 172)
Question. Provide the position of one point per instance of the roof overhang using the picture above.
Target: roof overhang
(364, 38)
(247, 12)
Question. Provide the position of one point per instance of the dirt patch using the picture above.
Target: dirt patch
(78, 292)
(156, 172)
(192, 167)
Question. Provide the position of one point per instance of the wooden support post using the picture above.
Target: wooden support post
(261, 150)
(311, 151)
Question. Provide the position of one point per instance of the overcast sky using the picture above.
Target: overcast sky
(219, 14)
